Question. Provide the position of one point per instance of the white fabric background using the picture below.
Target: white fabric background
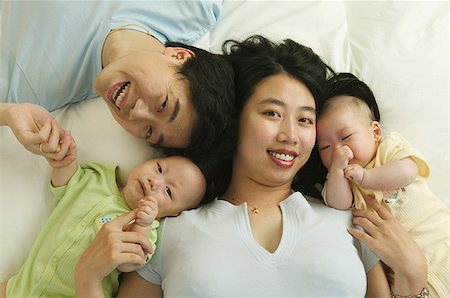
(400, 49)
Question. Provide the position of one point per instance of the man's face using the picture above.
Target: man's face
(148, 97)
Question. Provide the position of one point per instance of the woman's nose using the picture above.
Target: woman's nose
(288, 132)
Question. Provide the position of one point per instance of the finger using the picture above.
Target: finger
(54, 141)
(64, 146)
(132, 248)
(44, 132)
(380, 210)
(136, 238)
(130, 258)
(368, 226)
(72, 147)
(144, 211)
(151, 199)
(147, 204)
(121, 221)
(362, 236)
(369, 215)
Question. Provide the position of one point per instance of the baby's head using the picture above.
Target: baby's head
(175, 182)
(349, 116)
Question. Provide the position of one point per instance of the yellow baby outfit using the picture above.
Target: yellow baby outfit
(424, 216)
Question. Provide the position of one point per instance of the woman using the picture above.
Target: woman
(164, 93)
(259, 238)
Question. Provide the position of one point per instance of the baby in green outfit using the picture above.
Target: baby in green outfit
(89, 196)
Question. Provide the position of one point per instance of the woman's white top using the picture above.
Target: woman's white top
(210, 252)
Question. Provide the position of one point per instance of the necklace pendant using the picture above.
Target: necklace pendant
(255, 211)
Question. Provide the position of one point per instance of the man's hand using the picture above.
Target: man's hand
(33, 125)
(67, 152)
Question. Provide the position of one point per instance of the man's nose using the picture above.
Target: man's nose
(141, 111)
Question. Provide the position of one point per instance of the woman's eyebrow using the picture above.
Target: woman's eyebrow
(278, 102)
(272, 100)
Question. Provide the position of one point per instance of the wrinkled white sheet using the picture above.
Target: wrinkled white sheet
(401, 49)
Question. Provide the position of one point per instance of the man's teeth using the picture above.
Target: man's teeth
(121, 96)
(284, 157)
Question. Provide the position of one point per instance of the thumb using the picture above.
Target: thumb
(36, 137)
(44, 132)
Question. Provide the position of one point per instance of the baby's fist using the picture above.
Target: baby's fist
(147, 211)
(355, 173)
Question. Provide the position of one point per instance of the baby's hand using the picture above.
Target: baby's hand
(341, 157)
(67, 152)
(147, 211)
(355, 173)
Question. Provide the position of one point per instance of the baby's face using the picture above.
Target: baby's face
(175, 182)
(345, 126)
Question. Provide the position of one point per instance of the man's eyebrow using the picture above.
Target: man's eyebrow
(175, 111)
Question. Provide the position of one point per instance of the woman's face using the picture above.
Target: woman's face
(276, 131)
(148, 97)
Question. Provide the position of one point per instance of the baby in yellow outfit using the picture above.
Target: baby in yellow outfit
(361, 161)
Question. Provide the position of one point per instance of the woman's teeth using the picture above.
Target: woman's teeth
(281, 156)
(120, 94)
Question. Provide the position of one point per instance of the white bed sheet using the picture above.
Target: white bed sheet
(401, 49)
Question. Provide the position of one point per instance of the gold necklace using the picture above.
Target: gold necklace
(253, 210)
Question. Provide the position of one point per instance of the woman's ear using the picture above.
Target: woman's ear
(179, 53)
(377, 131)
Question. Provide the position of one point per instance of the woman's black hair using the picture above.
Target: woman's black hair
(212, 94)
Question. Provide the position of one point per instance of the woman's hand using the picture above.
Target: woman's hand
(112, 247)
(387, 238)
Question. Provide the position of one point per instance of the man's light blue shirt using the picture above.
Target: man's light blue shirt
(50, 51)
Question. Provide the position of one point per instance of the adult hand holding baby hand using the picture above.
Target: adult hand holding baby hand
(112, 246)
(147, 211)
(32, 125)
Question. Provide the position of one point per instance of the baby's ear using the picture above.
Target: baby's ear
(377, 131)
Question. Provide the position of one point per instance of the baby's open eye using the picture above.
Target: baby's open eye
(169, 192)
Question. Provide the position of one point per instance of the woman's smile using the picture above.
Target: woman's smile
(283, 158)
